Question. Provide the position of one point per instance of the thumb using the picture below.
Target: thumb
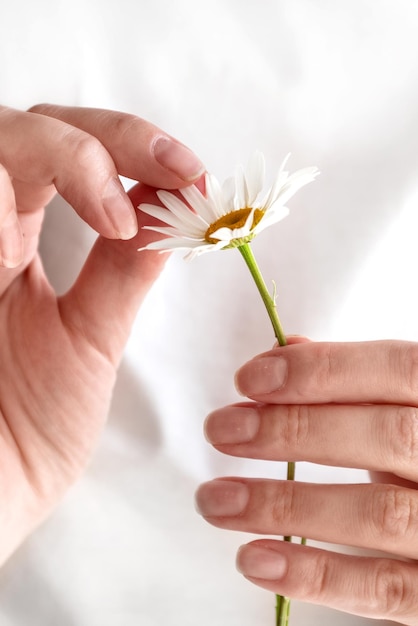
(103, 302)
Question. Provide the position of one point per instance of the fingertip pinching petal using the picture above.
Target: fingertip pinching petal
(229, 215)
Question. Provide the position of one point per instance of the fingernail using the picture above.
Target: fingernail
(11, 242)
(261, 376)
(232, 425)
(264, 563)
(177, 158)
(222, 498)
(119, 210)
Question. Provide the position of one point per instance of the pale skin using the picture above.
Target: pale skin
(350, 405)
(59, 355)
(347, 405)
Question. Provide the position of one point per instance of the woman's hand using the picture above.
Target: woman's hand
(349, 405)
(58, 355)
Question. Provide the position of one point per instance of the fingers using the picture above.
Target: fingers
(81, 153)
(103, 302)
(365, 516)
(352, 405)
(373, 372)
(41, 152)
(373, 437)
(370, 587)
(349, 405)
(140, 150)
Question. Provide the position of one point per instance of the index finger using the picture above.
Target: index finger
(310, 373)
(139, 149)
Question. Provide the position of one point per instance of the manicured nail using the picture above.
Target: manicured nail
(177, 158)
(264, 563)
(119, 210)
(231, 425)
(222, 498)
(261, 376)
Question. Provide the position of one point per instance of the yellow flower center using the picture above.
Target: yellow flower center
(235, 219)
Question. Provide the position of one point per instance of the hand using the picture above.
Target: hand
(350, 405)
(58, 355)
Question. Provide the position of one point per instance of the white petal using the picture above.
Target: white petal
(295, 182)
(255, 177)
(173, 243)
(228, 192)
(167, 230)
(240, 233)
(223, 234)
(199, 203)
(241, 193)
(192, 254)
(215, 195)
(279, 181)
(179, 209)
(271, 218)
(249, 221)
(164, 215)
(161, 214)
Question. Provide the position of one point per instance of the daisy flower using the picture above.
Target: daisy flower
(228, 215)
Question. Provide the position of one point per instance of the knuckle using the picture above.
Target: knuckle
(390, 590)
(403, 437)
(405, 359)
(324, 370)
(295, 427)
(394, 511)
(86, 149)
(284, 504)
(321, 578)
(121, 126)
(124, 125)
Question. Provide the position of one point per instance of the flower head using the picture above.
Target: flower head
(226, 216)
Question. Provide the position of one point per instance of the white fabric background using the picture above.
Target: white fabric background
(334, 83)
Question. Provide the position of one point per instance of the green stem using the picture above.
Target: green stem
(291, 468)
(282, 611)
(269, 302)
(282, 602)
